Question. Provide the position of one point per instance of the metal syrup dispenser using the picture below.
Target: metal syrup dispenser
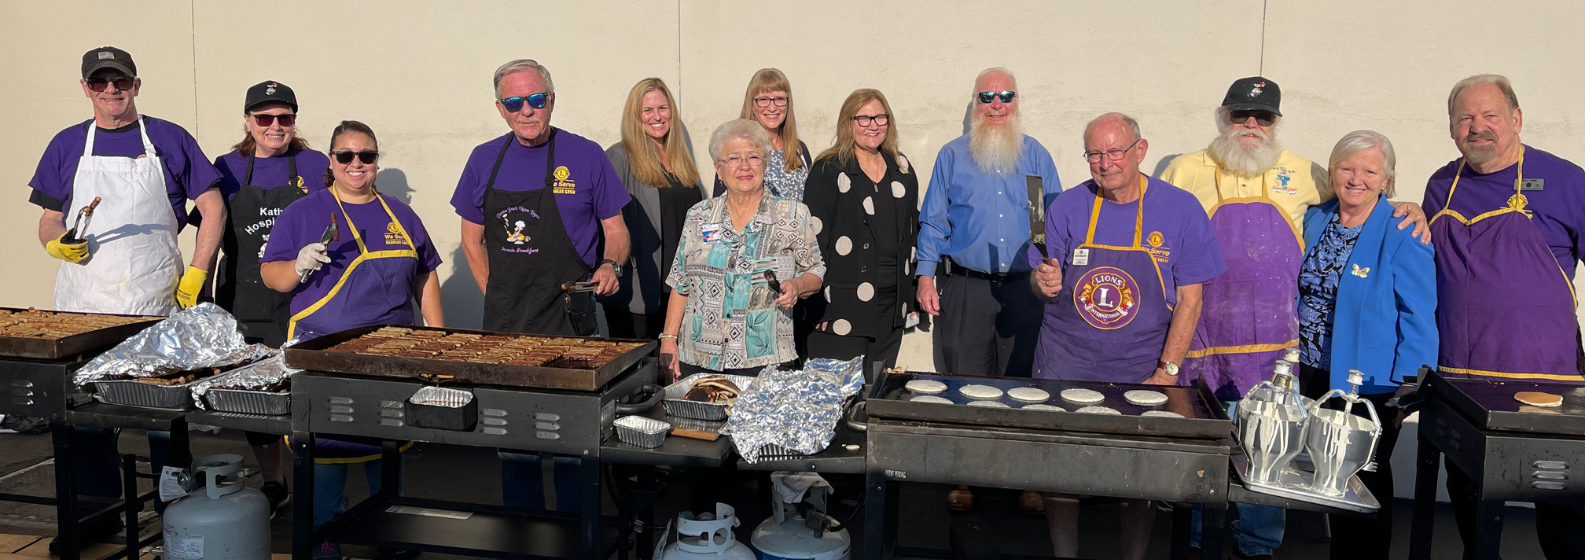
(1340, 443)
(1271, 423)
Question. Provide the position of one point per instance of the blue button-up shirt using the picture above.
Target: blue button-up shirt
(979, 219)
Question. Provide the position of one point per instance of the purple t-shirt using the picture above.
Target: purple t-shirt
(271, 172)
(188, 172)
(1187, 252)
(595, 193)
(1559, 206)
(304, 222)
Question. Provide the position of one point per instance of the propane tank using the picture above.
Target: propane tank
(222, 519)
(800, 531)
(708, 537)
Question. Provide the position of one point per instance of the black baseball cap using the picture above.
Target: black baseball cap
(270, 91)
(1253, 94)
(108, 57)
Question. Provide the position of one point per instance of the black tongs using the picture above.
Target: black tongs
(85, 215)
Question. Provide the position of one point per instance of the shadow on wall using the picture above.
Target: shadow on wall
(464, 301)
(968, 119)
(393, 183)
(1161, 166)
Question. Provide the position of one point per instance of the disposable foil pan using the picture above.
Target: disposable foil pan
(442, 397)
(137, 393)
(249, 402)
(677, 404)
(644, 432)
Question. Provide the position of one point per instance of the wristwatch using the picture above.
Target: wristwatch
(1169, 367)
(615, 266)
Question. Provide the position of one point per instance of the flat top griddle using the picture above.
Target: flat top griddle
(74, 344)
(1491, 406)
(314, 355)
(1202, 419)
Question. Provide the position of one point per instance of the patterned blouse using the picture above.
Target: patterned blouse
(731, 320)
(781, 183)
(1318, 278)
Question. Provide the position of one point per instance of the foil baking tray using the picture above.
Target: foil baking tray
(244, 401)
(72, 345)
(677, 404)
(131, 392)
(1203, 415)
(1490, 405)
(313, 355)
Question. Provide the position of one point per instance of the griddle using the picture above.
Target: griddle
(72, 345)
(1491, 406)
(314, 355)
(1202, 419)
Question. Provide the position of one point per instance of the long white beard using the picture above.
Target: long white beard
(1245, 162)
(996, 147)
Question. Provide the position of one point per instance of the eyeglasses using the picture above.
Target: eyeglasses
(122, 83)
(344, 157)
(1263, 118)
(986, 97)
(733, 162)
(1114, 155)
(264, 121)
(878, 120)
(515, 104)
(763, 102)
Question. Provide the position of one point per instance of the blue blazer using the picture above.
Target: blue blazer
(1384, 323)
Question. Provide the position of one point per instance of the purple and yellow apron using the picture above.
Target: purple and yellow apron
(1107, 324)
(1504, 306)
(1249, 317)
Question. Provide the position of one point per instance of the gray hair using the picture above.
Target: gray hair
(1360, 141)
(520, 65)
(739, 129)
(1498, 80)
(993, 70)
(1133, 125)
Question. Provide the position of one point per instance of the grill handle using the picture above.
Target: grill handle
(655, 393)
(854, 406)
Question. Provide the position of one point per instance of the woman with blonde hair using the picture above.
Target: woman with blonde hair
(768, 101)
(655, 162)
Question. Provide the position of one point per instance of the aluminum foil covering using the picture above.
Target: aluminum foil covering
(259, 376)
(202, 336)
(795, 410)
(442, 397)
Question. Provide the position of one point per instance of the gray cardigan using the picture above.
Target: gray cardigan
(640, 288)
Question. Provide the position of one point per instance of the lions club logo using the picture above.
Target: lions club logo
(1106, 297)
(393, 234)
(562, 185)
(1155, 239)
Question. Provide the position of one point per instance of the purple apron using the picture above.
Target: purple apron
(1495, 274)
(1249, 317)
(1110, 321)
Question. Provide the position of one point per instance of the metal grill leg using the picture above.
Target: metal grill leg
(303, 541)
(131, 504)
(67, 520)
(1428, 463)
(874, 515)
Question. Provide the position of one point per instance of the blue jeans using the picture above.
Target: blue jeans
(1258, 529)
(98, 461)
(330, 487)
(523, 482)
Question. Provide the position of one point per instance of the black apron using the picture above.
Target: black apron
(530, 258)
(262, 313)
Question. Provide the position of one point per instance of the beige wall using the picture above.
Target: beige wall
(418, 72)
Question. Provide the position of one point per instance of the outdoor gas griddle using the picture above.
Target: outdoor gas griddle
(1515, 452)
(1182, 461)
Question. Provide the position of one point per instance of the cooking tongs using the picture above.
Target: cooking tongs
(85, 215)
(331, 235)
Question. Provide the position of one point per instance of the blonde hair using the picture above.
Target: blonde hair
(844, 147)
(1359, 141)
(771, 79)
(1498, 80)
(642, 157)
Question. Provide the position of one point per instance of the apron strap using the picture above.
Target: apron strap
(550, 160)
(1518, 190)
(292, 180)
(364, 249)
(1139, 217)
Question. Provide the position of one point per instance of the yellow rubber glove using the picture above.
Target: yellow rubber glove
(69, 252)
(192, 283)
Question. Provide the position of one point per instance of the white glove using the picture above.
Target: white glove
(310, 258)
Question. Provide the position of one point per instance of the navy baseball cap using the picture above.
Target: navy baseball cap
(1253, 94)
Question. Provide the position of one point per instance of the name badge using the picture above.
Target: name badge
(710, 232)
(1081, 257)
(912, 321)
(1532, 184)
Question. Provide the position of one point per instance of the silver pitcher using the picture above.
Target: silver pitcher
(1271, 423)
(1340, 443)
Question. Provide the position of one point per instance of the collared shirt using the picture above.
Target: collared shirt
(979, 219)
(731, 320)
(1294, 183)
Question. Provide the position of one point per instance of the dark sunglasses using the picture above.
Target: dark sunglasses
(122, 83)
(987, 96)
(1264, 118)
(344, 157)
(267, 120)
(515, 104)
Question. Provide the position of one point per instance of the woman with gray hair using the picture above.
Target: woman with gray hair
(1367, 302)
(745, 259)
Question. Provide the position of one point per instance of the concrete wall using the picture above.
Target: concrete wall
(418, 72)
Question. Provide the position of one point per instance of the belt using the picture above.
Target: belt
(952, 268)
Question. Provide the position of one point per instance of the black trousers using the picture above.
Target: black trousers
(1359, 538)
(883, 347)
(989, 327)
(623, 323)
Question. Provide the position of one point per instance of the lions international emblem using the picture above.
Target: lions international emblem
(1107, 297)
(1518, 202)
(1155, 239)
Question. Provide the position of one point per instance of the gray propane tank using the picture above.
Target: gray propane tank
(221, 520)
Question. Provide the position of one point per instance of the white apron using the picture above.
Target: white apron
(133, 262)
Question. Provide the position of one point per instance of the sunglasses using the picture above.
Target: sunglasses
(1263, 118)
(122, 83)
(344, 157)
(264, 121)
(515, 104)
(986, 97)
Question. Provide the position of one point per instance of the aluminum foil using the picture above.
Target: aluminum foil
(796, 410)
(263, 375)
(442, 396)
(202, 336)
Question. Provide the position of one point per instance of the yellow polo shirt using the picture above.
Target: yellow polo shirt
(1294, 184)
